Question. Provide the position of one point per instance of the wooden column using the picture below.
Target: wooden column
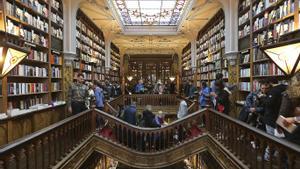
(122, 69)
(179, 72)
(233, 77)
(68, 74)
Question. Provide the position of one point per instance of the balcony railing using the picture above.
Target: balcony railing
(149, 99)
(48, 146)
(253, 146)
(151, 139)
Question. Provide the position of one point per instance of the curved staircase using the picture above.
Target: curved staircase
(69, 143)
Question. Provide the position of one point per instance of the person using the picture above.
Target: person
(219, 77)
(159, 119)
(91, 95)
(204, 94)
(120, 114)
(77, 96)
(192, 90)
(148, 118)
(182, 111)
(253, 108)
(222, 98)
(186, 89)
(130, 114)
(172, 88)
(290, 108)
(272, 105)
(99, 95)
(139, 88)
(159, 87)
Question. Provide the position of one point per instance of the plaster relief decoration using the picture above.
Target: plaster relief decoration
(150, 12)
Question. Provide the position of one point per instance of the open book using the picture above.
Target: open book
(289, 128)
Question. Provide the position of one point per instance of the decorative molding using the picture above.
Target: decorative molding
(69, 57)
(231, 57)
(149, 160)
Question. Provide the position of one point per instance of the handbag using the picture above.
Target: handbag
(220, 108)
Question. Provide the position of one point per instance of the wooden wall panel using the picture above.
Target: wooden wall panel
(20, 126)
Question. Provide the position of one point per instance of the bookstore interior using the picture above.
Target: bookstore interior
(149, 53)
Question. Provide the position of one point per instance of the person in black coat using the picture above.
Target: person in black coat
(222, 98)
(272, 106)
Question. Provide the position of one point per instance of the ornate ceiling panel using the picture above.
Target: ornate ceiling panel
(150, 12)
(100, 12)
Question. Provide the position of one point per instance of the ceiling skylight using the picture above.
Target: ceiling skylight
(150, 12)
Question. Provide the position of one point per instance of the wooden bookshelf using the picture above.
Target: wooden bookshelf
(262, 23)
(90, 49)
(30, 25)
(211, 49)
(56, 55)
(114, 73)
(186, 63)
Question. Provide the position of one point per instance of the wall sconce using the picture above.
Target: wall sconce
(172, 78)
(129, 78)
(10, 56)
(285, 55)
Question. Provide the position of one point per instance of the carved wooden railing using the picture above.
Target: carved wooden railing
(113, 105)
(46, 147)
(150, 139)
(250, 144)
(153, 99)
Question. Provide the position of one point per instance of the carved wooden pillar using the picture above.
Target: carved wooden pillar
(179, 72)
(123, 67)
(68, 74)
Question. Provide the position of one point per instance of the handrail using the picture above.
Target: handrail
(39, 133)
(111, 117)
(113, 104)
(151, 99)
(46, 147)
(151, 139)
(283, 142)
(142, 100)
(255, 147)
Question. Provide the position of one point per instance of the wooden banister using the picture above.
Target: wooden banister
(151, 139)
(150, 99)
(44, 148)
(255, 147)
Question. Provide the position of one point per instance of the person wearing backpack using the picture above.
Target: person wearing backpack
(203, 95)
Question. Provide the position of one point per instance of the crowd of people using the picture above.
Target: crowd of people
(262, 108)
(169, 87)
(274, 108)
(215, 96)
(86, 95)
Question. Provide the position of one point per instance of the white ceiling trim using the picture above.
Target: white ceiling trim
(150, 30)
(185, 13)
(115, 14)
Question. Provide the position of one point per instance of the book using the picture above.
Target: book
(280, 122)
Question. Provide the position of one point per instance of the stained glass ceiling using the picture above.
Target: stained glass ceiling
(150, 12)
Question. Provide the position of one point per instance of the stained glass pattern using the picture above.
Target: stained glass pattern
(150, 12)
